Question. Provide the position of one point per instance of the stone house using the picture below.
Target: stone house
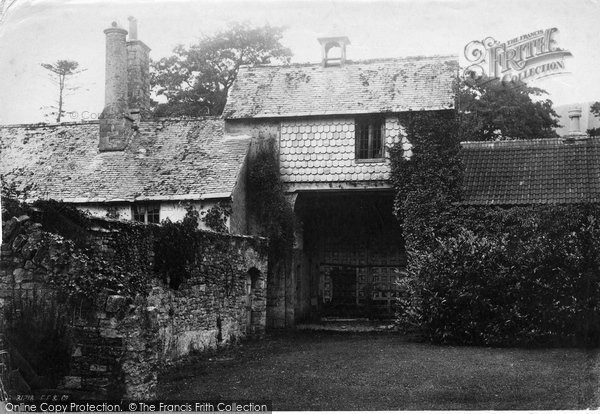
(332, 124)
(126, 165)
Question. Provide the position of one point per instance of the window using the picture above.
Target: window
(369, 132)
(146, 213)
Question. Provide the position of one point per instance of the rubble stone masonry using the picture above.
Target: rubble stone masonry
(119, 341)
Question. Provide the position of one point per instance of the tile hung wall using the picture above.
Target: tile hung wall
(323, 150)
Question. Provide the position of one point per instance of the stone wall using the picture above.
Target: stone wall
(118, 341)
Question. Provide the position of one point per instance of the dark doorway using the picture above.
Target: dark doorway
(354, 252)
(343, 292)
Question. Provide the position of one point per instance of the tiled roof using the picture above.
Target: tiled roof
(531, 172)
(392, 85)
(168, 159)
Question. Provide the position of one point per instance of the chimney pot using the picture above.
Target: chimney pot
(575, 126)
(132, 28)
(138, 74)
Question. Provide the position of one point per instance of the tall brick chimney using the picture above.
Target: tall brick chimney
(115, 120)
(127, 86)
(138, 74)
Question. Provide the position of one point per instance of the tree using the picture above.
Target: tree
(195, 79)
(493, 110)
(595, 110)
(60, 71)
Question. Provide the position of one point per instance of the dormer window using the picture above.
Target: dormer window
(370, 136)
(146, 213)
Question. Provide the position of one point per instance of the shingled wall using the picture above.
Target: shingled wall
(323, 150)
(118, 341)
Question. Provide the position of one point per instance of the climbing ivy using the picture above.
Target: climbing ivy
(521, 275)
(178, 246)
(428, 182)
(267, 201)
(215, 218)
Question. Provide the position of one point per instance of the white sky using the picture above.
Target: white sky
(37, 31)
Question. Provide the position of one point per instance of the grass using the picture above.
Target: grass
(367, 371)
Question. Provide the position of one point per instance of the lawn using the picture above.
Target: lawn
(368, 371)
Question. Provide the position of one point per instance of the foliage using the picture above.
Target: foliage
(593, 132)
(520, 275)
(195, 80)
(429, 181)
(12, 205)
(178, 247)
(73, 258)
(64, 219)
(517, 276)
(87, 272)
(491, 110)
(40, 344)
(267, 202)
(112, 213)
(216, 218)
(595, 110)
(84, 264)
(60, 72)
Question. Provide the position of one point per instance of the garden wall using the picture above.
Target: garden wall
(115, 340)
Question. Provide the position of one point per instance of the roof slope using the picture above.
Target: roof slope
(531, 172)
(165, 159)
(392, 85)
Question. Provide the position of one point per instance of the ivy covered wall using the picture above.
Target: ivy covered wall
(505, 275)
(121, 305)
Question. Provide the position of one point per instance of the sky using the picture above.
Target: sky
(43, 31)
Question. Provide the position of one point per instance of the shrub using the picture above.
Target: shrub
(517, 276)
(266, 200)
(494, 276)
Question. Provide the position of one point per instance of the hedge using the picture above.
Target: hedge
(515, 276)
(489, 276)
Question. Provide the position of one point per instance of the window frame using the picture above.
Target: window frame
(372, 124)
(146, 211)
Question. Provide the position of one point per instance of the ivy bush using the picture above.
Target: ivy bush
(518, 276)
(267, 202)
(216, 217)
(178, 246)
(490, 276)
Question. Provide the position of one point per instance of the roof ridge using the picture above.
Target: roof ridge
(96, 122)
(361, 61)
(183, 118)
(49, 125)
(525, 142)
